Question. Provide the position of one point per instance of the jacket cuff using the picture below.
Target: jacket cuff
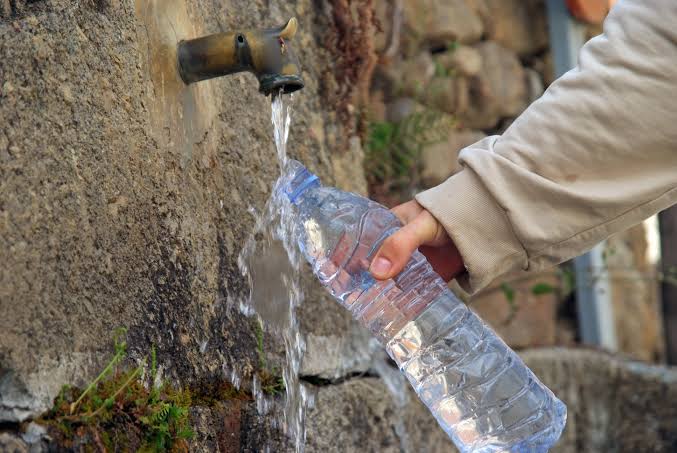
(478, 226)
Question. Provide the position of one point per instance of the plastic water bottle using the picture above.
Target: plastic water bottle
(478, 389)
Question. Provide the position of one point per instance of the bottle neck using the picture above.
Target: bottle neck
(302, 181)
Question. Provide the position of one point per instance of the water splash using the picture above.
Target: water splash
(271, 263)
(235, 379)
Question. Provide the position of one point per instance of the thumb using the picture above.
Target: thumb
(398, 248)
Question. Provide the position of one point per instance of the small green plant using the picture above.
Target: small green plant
(393, 150)
(272, 382)
(509, 293)
(167, 423)
(442, 71)
(258, 332)
(118, 410)
(542, 288)
(120, 351)
(453, 45)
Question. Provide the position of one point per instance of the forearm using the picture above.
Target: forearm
(595, 155)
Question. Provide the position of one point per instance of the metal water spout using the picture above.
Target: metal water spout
(266, 53)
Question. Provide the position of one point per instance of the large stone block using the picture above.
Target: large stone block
(362, 415)
(401, 108)
(519, 25)
(613, 404)
(521, 315)
(634, 292)
(499, 91)
(464, 61)
(440, 160)
(448, 94)
(411, 76)
(440, 22)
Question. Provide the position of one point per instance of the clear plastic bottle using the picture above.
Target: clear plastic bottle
(478, 389)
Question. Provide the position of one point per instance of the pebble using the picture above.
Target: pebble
(67, 94)
(7, 88)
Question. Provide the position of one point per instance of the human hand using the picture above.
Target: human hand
(420, 231)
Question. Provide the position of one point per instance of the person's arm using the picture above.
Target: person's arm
(594, 156)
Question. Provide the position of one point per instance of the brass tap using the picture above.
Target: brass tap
(266, 53)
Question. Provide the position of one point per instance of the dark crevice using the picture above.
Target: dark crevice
(530, 59)
(439, 49)
(12, 427)
(319, 381)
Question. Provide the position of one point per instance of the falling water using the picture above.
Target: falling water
(281, 118)
(271, 262)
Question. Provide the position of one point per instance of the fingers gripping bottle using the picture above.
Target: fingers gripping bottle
(478, 389)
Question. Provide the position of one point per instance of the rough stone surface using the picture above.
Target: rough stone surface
(124, 195)
(332, 356)
(448, 94)
(11, 443)
(535, 87)
(440, 22)
(411, 77)
(465, 60)
(634, 292)
(613, 404)
(529, 320)
(500, 91)
(226, 428)
(440, 160)
(357, 414)
(367, 418)
(401, 108)
(519, 25)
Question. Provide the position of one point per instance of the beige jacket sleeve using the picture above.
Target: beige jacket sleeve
(594, 156)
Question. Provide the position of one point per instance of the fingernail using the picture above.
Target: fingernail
(381, 266)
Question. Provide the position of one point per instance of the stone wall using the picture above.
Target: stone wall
(481, 62)
(613, 404)
(124, 201)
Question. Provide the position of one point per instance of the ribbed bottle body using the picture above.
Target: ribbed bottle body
(478, 389)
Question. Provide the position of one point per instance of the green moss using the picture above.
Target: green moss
(393, 150)
(118, 410)
(124, 410)
(271, 382)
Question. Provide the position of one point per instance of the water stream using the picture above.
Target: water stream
(271, 262)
